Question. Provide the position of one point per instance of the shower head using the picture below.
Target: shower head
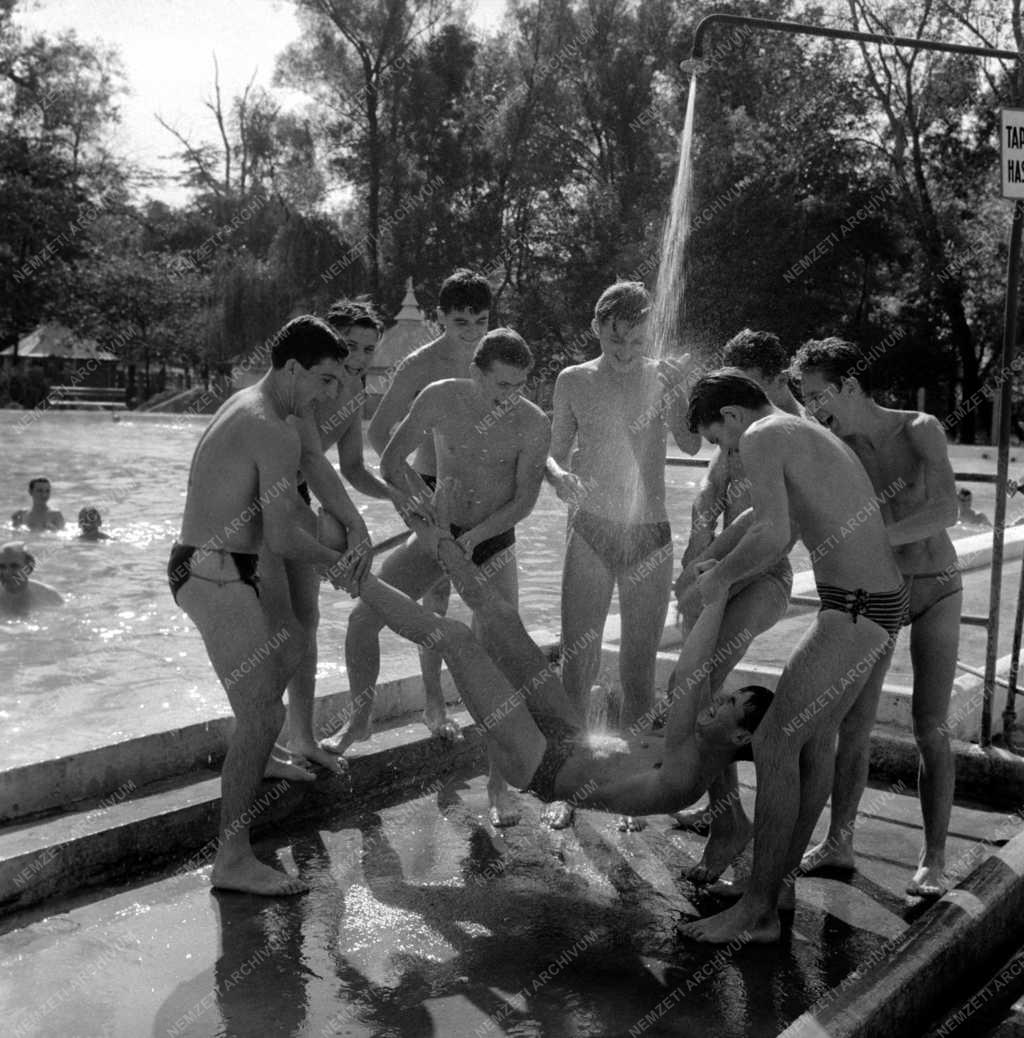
(694, 66)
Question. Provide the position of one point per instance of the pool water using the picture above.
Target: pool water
(119, 659)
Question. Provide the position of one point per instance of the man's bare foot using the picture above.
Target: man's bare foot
(557, 815)
(742, 922)
(442, 725)
(253, 877)
(929, 882)
(725, 844)
(313, 754)
(736, 888)
(504, 810)
(828, 855)
(631, 824)
(284, 764)
(353, 732)
(698, 821)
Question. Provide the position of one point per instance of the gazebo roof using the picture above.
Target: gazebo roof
(409, 331)
(53, 339)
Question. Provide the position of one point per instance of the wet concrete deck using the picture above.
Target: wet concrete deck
(424, 920)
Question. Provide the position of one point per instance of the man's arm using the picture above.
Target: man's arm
(276, 454)
(394, 406)
(426, 411)
(56, 520)
(768, 535)
(353, 465)
(708, 505)
(939, 508)
(563, 434)
(529, 475)
(675, 375)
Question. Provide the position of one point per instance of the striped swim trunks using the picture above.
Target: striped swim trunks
(888, 609)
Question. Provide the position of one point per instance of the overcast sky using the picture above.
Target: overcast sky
(167, 48)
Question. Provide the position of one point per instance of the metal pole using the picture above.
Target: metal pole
(1009, 346)
(1009, 324)
(799, 29)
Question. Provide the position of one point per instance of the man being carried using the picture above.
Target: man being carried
(754, 605)
(616, 410)
(906, 456)
(464, 306)
(493, 442)
(801, 479)
(241, 494)
(323, 424)
(535, 732)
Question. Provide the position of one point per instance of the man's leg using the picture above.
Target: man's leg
(435, 713)
(500, 573)
(410, 570)
(794, 756)
(297, 736)
(495, 705)
(934, 640)
(852, 758)
(586, 594)
(751, 611)
(253, 661)
(644, 592)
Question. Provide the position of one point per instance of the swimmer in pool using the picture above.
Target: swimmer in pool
(89, 523)
(40, 516)
(18, 594)
(534, 731)
(242, 494)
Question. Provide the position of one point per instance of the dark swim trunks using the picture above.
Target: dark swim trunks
(303, 492)
(179, 569)
(561, 745)
(927, 590)
(888, 609)
(620, 546)
(489, 548)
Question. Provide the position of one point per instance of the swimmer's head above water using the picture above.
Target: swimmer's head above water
(16, 566)
(359, 327)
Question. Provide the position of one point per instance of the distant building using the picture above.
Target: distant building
(410, 331)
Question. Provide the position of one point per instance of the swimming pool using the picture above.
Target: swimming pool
(119, 660)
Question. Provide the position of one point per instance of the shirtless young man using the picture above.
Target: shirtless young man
(493, 442)
(325, 423)
(801, 479)
(754, 605)
(241, 495)
(906, 456)
(464, 306)
(535, 732)
(19, 595)
(40, 516)
(616, 410)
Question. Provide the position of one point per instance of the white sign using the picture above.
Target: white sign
(1011, 151)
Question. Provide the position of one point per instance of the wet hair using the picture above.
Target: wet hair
(964, 494)
(761, 350)
(834, 359)
(464, 290)
(724, 388)
(504, 345)
(354, 313)
(307, 339)
(89, 514)
(627, 301)
(757, 706)
(39, 479)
